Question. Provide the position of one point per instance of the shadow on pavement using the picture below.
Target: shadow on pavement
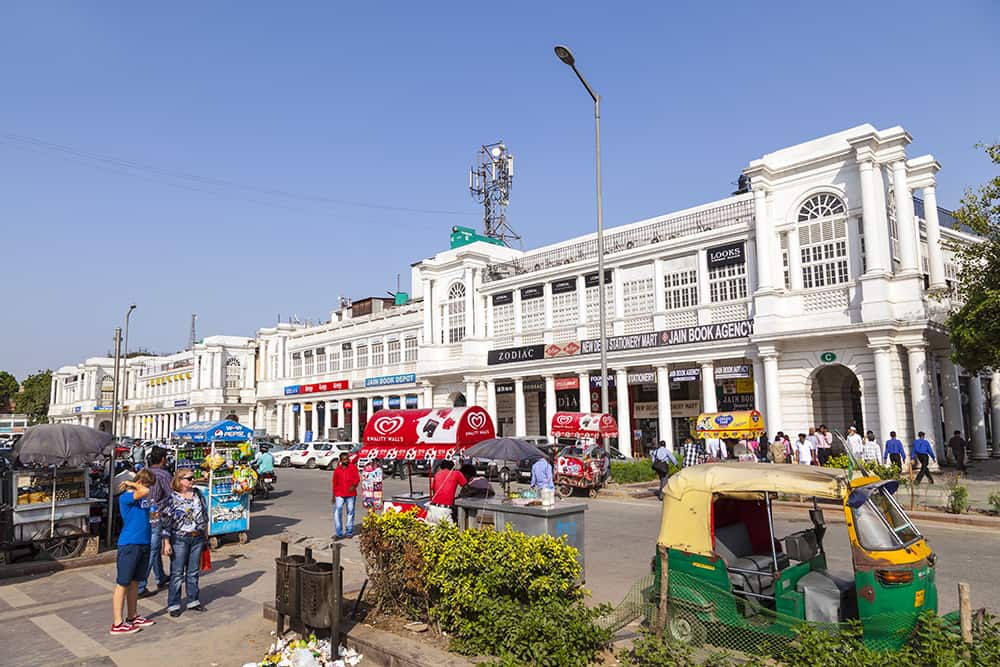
(229, 587)
(264, 525)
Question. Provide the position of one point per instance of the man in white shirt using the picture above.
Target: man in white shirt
(716, 449)
(855, 443)
(814, 440)
(803, 450)
(872, 452)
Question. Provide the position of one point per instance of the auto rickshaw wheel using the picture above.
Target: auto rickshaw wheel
(593, 492)
(564, 490)
(686, 629)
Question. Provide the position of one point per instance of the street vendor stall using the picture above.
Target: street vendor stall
(422, 435)
(730, 425)
(584, 464)
(220, 454)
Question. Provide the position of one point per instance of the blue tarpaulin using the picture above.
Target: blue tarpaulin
(222, 431)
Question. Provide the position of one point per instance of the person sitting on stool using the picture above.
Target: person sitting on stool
(923, 451)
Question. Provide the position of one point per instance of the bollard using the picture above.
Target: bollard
(965, 611)
(663, 617)
(336, 593)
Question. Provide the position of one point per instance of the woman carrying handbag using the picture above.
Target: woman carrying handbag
(184, 522)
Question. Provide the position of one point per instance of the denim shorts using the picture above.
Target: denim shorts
(133, 561)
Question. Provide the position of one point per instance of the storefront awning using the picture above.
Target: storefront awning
(425, 434)
(731, 425)
(221, 431)
(583, 425)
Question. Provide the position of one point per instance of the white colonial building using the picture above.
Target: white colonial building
(816, 294)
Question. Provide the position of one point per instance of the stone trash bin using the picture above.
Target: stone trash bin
(287, 587)
(315, 581)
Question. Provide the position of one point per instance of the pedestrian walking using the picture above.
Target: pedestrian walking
(825, 444)
(158, 495)
(779, 449)
(894, 451)
(924, 452)
(803, 450)
(133, 553)
(813, 438)
(345, 489)
(855, 443)
(871, 451)
(694, 452)
(184, 523)
(957, 446)
(443, 489)
(663, 458)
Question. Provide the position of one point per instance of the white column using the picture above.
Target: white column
(340, 416)
(550, 403)
(876, 238)
(794, 259)
(935, 254)
(428, 312)
(764, 230)
(908, 249)
(370, 407)
(759, 401)
(995, 412)
(617, 309)
(470, 393)
(888, 416)
(659, 321)
(355, 421)
(581, 301)
(520, 424)
(491, 400)
(281, 421)
(584, 392)
(547, 304)
(919, 390)
(708, 400)
(772, 393)
(517, 312)
(977, 417)
(663, 416)
(951, 396)
(624, 413)
(470, 303)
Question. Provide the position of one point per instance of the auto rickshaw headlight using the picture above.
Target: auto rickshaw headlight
(894, 577)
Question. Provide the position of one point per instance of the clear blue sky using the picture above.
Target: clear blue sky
(384, 104)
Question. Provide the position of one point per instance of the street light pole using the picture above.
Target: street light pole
(565, 55)
(114, 421)
(128, 315)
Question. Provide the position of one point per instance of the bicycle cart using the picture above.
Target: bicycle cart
(584, 464)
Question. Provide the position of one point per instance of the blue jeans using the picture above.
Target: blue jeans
(338, 525)
(185, 568)
(155, 560)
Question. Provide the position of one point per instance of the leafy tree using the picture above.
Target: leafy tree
(8, 388)
(34, 397)
(975, 326)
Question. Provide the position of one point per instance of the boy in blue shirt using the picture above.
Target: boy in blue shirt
(133, 552)
(923, 451)
(894, 451)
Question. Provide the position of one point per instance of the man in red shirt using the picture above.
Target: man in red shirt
(345, 488)
(443, 489)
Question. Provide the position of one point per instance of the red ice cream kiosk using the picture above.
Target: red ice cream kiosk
(584, 463)
(423, 435)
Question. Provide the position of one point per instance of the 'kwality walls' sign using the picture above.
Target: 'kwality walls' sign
(707, 333)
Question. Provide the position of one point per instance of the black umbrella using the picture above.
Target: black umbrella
(504, 449)
(61, 444)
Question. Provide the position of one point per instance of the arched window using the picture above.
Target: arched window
(456, 313)
(234, 373)
(823, 241)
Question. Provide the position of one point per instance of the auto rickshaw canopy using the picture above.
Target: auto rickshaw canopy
(734, 425)
(686, 519)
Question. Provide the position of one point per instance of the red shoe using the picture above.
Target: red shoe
(140, 622)
(124, 628)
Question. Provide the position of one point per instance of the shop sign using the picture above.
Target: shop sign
(564, 286)
(384, 380)
(510, 355)
(744, 385)
(647, 410)
(296, 407)
(532, 292)
(292, 390)
(377, 403)
(643, 377)
(567, 383)
(595, 380)
(685, 374)
(181, 403)
(727, 255)
(685, 408)
(319, 387)
(503, 298)
(348, 404)
(411, 402)
(828, 357)
(707, 333)
(732, 371)
(565, 350)
(736, 402)
(590, 280)
(102, 408)
(394, 402)
(534, 386)
(77, 409)
(504, 387)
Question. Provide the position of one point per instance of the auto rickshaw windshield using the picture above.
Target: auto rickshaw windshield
(882, 524)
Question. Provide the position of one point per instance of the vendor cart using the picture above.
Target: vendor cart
(731, 427)
(584, 464)
(422, 435)
(220, 454)
(45, 509)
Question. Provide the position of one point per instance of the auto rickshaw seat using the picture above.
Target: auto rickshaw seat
(732, 543)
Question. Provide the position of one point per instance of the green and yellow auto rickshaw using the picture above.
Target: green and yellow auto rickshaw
(730, 576)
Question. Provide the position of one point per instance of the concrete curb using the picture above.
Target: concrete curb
(46, 566)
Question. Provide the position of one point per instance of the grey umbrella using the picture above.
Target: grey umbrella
(61, 444)
(504, 449)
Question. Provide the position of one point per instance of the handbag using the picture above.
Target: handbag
(206, 559)
(661, 466)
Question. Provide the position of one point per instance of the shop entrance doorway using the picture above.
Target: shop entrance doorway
(836, 398)
(104, 426)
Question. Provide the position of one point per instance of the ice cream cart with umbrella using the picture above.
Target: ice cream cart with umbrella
(584, 464)
(422, 435)
(220, 453)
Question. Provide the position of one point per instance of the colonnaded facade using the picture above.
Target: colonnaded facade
(816, 294)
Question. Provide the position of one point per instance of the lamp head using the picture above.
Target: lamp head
(565, 55)
(132, 307)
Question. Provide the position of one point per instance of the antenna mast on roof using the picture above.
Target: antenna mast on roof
(192, 336)
(490, 180)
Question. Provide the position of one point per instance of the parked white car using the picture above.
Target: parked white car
(322, 454)
(283, 458)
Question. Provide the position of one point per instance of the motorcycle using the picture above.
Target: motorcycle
(265, 484)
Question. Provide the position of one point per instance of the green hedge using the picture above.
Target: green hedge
(630, 472)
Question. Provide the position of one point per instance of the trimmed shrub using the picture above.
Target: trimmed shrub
(640, 470)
